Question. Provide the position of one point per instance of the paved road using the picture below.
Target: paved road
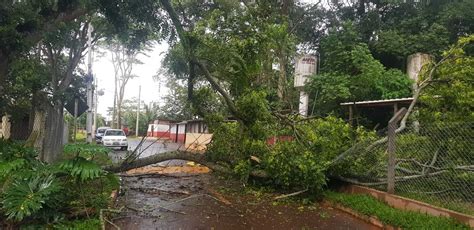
(206, 201)
(148, 148)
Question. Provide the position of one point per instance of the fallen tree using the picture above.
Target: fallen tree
(176, 155)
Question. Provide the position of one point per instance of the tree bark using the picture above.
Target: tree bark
(47, 132)
(36, 137)
(192, 73)
(53, 134)
(282, 55)
(282, 75)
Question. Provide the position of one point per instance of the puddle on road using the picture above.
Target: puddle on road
(187, 197)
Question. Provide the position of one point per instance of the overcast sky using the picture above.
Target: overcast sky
(104, 72)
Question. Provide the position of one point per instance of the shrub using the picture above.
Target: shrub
(39, 193)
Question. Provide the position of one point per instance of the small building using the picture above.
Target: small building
(178, 132)
(197, 135)
(159, 129)
(387, 104)
(193, 134)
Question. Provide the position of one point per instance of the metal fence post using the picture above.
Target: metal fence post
(391, 148)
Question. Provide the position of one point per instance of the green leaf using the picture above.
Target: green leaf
(82, 169)
(26, 197)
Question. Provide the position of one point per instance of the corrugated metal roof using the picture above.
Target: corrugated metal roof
(386, 101)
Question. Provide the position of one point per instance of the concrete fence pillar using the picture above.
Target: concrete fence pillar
(391, 148)
(6, 127)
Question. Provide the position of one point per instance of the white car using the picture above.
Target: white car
(115, 138)
(99, 133)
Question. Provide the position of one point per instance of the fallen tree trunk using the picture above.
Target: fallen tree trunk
(176, 155)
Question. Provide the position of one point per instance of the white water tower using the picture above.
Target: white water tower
(305, 66)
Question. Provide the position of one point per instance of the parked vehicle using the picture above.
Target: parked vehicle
(99, 133)
(115, 138)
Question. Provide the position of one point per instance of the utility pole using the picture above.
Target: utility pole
(138, 109)
(89, 80)
(94, 126)
(75, 119)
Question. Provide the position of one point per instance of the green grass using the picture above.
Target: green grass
(370, 206)
(460, 206)
(85, 224)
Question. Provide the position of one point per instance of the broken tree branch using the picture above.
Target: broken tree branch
(291, 194)
(402, 178)
(216, 86)
(102, 218)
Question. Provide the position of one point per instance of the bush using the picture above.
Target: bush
(39, 193)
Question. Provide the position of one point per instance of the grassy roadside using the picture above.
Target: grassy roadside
(462, 207)
(370, 206)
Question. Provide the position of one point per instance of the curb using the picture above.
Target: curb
(403, 203)
(369, 219)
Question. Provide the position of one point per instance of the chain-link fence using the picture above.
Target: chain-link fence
(434, 163)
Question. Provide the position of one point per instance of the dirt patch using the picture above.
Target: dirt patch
(205, 201)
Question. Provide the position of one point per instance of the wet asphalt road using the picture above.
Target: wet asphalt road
(205, 201)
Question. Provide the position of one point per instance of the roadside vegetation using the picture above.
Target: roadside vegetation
(370, 206)
(35, 195)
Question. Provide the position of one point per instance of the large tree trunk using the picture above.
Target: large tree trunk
(47, 132)
(282, 58)
(282, 75)
(181, 155)
(53, 138)
(192, 72)
(36, 137)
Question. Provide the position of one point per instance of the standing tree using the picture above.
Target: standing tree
(123, 59)
(54, 33)
(23, 24)
(62, 51)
